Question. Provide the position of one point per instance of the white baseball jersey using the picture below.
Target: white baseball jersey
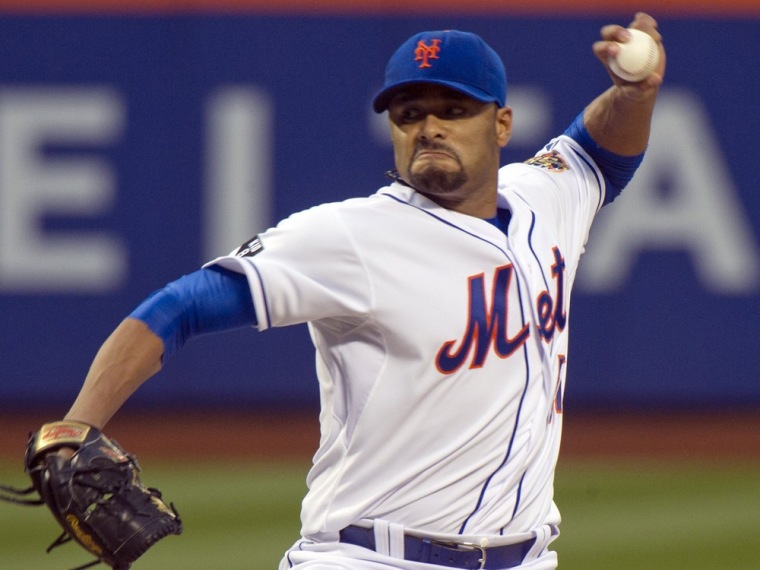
(441, 347)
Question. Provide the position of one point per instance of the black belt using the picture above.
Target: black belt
(449, 554)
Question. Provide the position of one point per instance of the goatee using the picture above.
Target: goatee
(438, 181)
(433, 179)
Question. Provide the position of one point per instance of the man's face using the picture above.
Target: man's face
(447, 144)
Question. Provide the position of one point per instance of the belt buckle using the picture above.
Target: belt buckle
(469, 547)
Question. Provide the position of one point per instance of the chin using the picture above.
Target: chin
(438, 181)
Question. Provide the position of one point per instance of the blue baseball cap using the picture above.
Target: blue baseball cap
(460, 60)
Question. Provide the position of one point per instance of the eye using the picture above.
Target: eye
(456, 111)
(401, 114)
(410, 113)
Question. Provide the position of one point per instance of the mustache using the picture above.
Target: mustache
(435, 146)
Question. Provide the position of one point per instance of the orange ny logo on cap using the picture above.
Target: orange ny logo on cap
(425, 52)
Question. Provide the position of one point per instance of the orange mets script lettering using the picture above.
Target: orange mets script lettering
(425, 52)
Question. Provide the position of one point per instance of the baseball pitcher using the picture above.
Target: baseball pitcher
(439, 309)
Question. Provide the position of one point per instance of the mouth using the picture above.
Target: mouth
(430, 153)
(424, 153)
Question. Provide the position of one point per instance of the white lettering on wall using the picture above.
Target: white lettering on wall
(34, 185)
(239, 134)
(681, 199)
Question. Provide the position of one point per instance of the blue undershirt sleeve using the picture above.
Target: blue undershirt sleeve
(209, 300)
(618, 170)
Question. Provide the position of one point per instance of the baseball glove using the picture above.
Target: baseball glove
(96, 495)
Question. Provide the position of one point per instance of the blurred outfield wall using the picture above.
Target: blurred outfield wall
(138, 141)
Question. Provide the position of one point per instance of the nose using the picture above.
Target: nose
(431, 127)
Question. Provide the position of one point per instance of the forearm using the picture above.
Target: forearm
(130, 356)
(207, 301)
(619, 121)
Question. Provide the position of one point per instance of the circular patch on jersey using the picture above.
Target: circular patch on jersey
(551, 161)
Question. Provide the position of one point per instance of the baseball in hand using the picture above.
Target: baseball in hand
(637, 58)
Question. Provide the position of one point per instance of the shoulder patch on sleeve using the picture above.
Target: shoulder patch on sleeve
(552, 161)
(250, 248)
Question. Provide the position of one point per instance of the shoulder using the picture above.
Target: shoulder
(323, 228)
(561, 156)
(562, 165)
(375, 201)
(327, 212)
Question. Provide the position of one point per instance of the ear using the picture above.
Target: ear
(503, 125)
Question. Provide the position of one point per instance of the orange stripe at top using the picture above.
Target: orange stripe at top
(658, 8)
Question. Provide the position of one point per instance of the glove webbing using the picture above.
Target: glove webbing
(63, 539)
(18, 496)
